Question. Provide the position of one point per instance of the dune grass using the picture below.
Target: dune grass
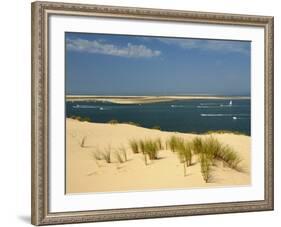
(182, 147)
(225, 131)
(113, 121)
(205, 149)
(123, 151)
(134, 145)
(83, 141)
(121, 155)
(184, 151)
(174, 142)
(209, 150)
(216, 150)
(205, 163)
(151, 148)
(131, 123)
(97, 155)
(141, 144)
(106, 154)
(230, 157)
(148, 147)
(159, 144)
(157, 127)
(197, 145)
(78, 118)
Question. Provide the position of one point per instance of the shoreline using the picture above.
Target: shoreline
(147, 99)
(219, 131)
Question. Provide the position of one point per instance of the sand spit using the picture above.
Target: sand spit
(146, 99)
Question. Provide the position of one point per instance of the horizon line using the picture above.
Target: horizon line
(109, 95)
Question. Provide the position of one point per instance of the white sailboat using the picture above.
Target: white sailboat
(227, 105)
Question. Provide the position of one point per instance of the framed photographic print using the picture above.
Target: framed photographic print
(145, 113)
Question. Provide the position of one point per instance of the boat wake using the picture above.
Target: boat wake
(223, 115)
(90, 107)
(177, 106)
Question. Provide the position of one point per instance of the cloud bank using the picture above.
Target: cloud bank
(102, 47)
(209, 45)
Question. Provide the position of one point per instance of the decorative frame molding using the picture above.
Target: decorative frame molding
(40, 105)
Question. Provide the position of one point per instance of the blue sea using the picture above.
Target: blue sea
(196, 116)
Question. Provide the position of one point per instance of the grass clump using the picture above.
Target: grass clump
(142, 146)
(83, 141)
(134, 144)
(230, 157)
(73, 117)
(213, 149)
(106, 154)
(225, 131)
(87, 119)
(132, 123)
(157, 127)
(223, 152)
(159, 144)
(113, 121)
(143, 151)
(209, 150)
(174, 142)
(151, 148)
(148, 147)
(197, 145)
(97, 155)
(121, 155)
(205, 163)
(123, 151)
(78, 118)
(184, 151)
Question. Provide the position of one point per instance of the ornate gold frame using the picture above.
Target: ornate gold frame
(40, 191)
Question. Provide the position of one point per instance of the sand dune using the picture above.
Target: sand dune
(85, 174)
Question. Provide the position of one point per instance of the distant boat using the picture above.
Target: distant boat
(177, 106)
(234, 118)
(101, 108)
(227, 105)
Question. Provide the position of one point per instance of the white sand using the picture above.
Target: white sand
(145, 99)
(85, 174)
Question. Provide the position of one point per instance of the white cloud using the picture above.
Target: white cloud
(101, 47)
(213, 45)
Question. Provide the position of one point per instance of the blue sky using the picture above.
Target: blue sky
(136, 65)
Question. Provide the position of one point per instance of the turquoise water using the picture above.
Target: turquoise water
(196, 116)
